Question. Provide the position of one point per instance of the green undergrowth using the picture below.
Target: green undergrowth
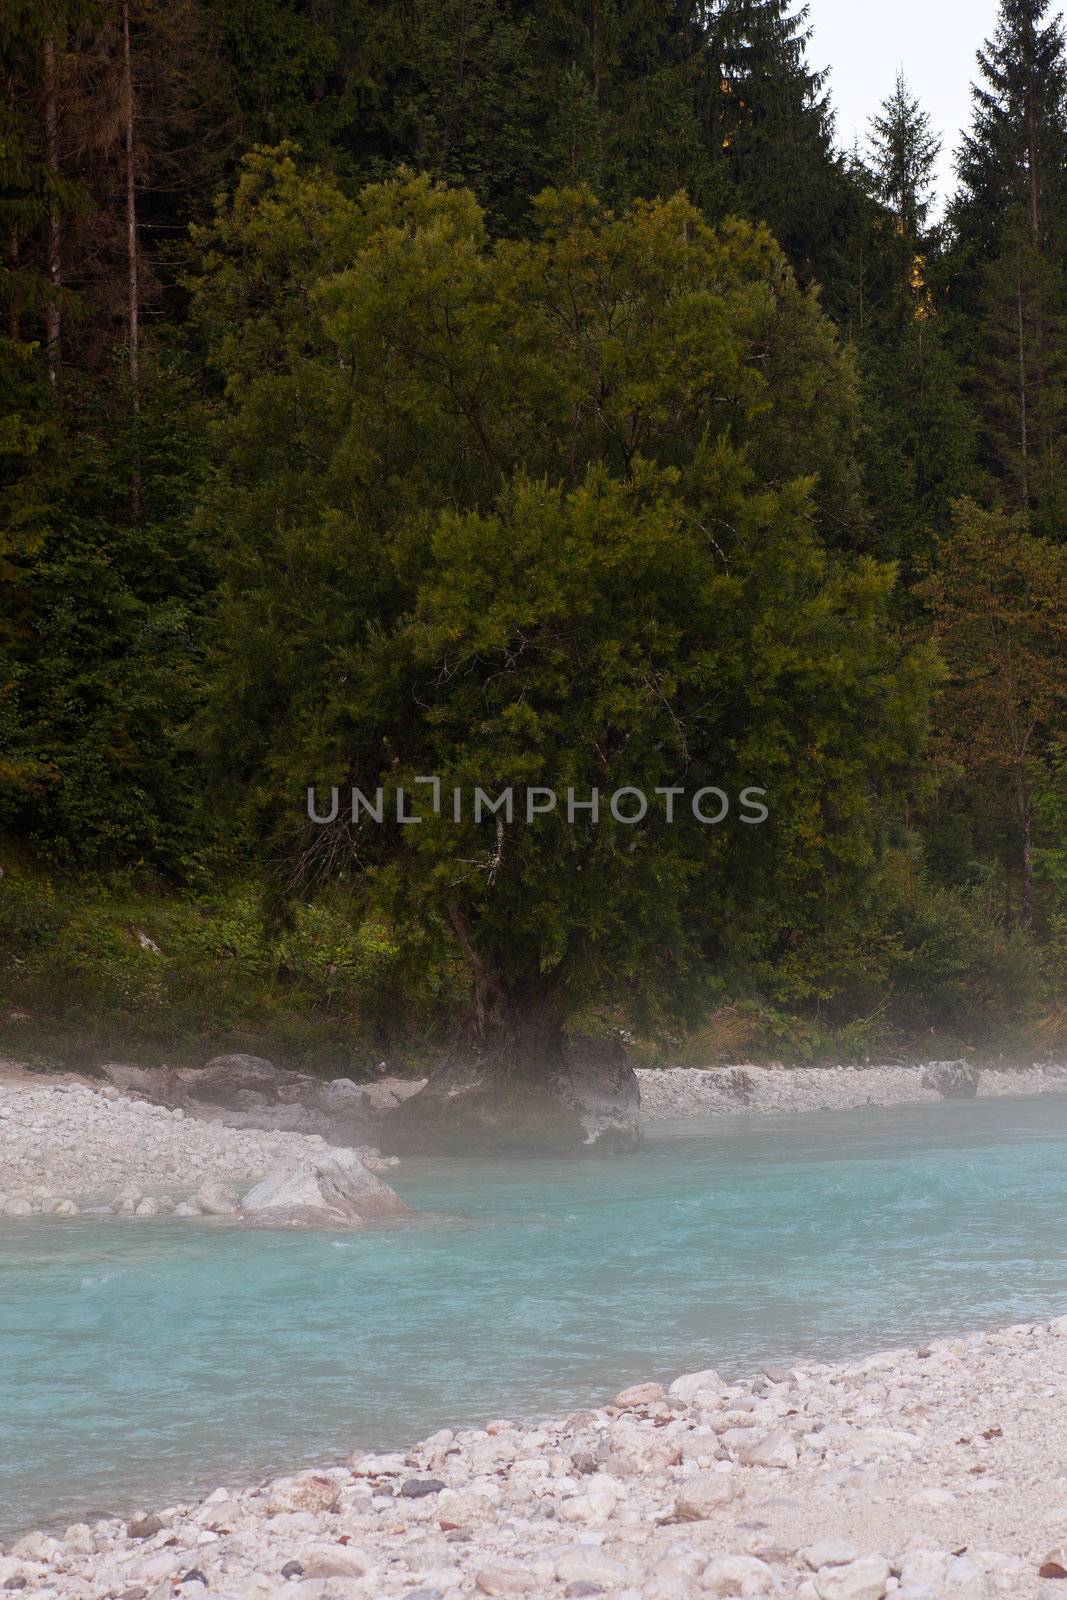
(93, 970)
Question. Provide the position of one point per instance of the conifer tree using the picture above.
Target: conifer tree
(1015, 155)
(773, 122)
(903, 150)
(919, 435)
(1009, 220)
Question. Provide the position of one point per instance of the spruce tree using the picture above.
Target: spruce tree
(903, 150)
(1010, 225)
(1015, 156)
(772, 120)
(919, 434)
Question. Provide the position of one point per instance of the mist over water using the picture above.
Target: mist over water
(140, 1361)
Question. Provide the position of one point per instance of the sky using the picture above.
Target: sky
(864, 42)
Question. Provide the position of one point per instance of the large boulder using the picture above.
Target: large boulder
(247, 1091)
(330, 1190)
(584, 1100)
(956, 1080)
(242, 1082)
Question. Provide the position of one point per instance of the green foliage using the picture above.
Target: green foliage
(907, 959)
(596, 568)
(903, 153)
(997, 599)
(104, 659)
(105, 967)
(526, 488)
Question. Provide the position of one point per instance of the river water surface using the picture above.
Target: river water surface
(140, 1361)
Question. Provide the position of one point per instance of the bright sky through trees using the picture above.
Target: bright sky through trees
(933, 40)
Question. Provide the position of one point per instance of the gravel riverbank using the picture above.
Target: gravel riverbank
(929, 1474)
(693, 1092)
(79, 1140)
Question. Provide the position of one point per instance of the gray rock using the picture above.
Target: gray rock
(144, 1525)
(331, 1189)
(738, 1575)
(831, 1553)
(343, 1094)
(251, 1092)
(581, 1564)
(956, 1080)
(775, 1449)
(216, 1199)
(334, 1561)
(583, 1096)
(703, 1495)
(225, 1078)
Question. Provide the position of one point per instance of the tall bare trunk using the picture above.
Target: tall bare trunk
(595, 49)
(53, 327)
(14, 322)
(1026, 820)
(133, 267)
(1031, 161)
(1024, 421)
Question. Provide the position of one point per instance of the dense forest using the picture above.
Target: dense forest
(525, 393)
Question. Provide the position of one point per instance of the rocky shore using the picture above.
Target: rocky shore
(718, 1091)
(79, 1141)
(929, 1474)
(74, 1147)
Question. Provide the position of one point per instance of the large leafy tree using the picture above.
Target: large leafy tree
(515, 515)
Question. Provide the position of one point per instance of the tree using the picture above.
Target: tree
(903, 152)
(1014, 156)
(1021, 378)
(770, 118)
(998, 603)
(1010, 229)
(919, 435)
(493, 516)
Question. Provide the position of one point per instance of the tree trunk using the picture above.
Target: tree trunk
(1026, 824)
(1024, 435)
(1031, 161)
(53, 327)
(512, 1084)
(132, 263)
(595, 52)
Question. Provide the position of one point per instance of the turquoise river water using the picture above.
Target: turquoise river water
(141, 1361)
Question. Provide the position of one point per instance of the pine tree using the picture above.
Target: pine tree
(624, 88)
(919, 434)
(773, 122)
(1015, 156)
(903, 151)
(1009, 282)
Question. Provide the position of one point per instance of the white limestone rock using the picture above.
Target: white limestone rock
(738, 1575)
(328, 1189)
(865, 1579)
